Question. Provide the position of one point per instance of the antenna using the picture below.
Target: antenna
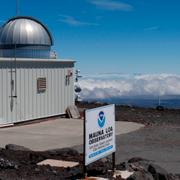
(17, 7)
(159, 99)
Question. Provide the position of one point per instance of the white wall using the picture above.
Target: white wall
(29, 104)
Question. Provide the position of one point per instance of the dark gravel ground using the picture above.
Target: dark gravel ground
(19, 164)
(147, 116)
(160, 144)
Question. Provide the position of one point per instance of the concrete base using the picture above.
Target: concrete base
(53, 134)
(6, 125)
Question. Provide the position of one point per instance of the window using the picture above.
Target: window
(41, 85)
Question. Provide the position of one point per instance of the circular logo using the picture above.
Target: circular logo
(101, 119)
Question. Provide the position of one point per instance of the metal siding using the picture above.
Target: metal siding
(60, 89)
(19, 114)
(63, 88)
(1, 96)
(29, 104)
(57, 90)
(41, 105)
(54, 91)
(5, 96)
(23, 85)
(33, 88)
(56, 108)
(48, 91)
(38, 96)
(30, 92)
(26, 93)
(15, 32)
(51, 93)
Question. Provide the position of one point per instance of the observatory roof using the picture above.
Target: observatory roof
(24, 30)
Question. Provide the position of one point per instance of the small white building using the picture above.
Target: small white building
(33, 84)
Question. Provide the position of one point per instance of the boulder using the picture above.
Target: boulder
(64, 152)
(143, 169)
(157, 172)
(141, 175)
(122, 166)
(136, 159)
(15, 147)
(7, 164)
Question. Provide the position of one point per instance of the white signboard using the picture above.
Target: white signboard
(99, 133)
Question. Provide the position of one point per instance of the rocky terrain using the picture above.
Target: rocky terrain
(159, 141)
(147, 116)
(18, 162)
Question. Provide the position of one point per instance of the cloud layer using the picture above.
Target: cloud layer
(70, 20)
(111, 5)
(122, 85)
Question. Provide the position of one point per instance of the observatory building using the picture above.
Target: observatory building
(33, 83)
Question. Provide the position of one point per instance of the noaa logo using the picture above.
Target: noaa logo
(101, 119)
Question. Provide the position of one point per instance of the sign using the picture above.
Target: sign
(99, 133)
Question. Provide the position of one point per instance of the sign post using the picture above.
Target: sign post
(99, 134)
(84, 147)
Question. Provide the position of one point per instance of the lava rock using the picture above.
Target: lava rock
(15, 147)
(138, 166)
(145, 170)
(64, 152)
(99, 168)
(7, 164)
(157, 172)
(122, 166)
(141, 175)
(136, 159)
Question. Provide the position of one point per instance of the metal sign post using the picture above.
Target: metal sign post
(84, 148)
(113, 161)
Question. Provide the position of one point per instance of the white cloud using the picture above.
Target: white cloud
(70, 20)
(120, 85)
(111, 5)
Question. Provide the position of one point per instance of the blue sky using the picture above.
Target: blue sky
(128, 36)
